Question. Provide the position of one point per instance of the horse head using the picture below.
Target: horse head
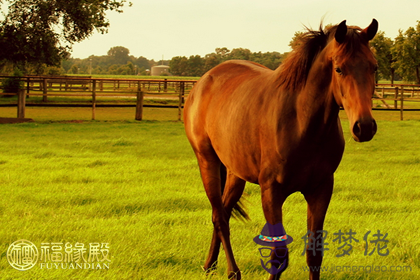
(353, 76)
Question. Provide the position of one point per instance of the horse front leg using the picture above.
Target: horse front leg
(272, 201)
(318, 200)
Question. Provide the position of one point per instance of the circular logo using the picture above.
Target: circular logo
(22, 255)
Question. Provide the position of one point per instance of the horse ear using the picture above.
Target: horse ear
(371, 30)
(340, 33)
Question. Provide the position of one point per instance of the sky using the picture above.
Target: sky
(157, 29)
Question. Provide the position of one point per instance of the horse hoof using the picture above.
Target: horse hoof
(209, 271)
(235, 275)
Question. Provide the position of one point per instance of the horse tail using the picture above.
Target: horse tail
(238, 212)
(223, 175)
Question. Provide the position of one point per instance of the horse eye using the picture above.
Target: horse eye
(338, 70)
(375, 68)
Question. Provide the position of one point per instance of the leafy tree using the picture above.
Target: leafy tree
(75, 69)
(295, 42)
(222, 52)
(406, 51)
(66, 64)
(119, 55)
(142, 62)
(179, 66)
(113, 69)
(271, 60)
(195, 66)
(211, 60)
(130, 68)
(240, 53)
(52, 70)
(38, 31)
(12, 84)
(97, 70)
(382, 47)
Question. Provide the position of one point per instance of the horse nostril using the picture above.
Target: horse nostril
(357, 130)
(374, 127)
(364, 131)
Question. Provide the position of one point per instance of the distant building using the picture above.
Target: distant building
(160, 70)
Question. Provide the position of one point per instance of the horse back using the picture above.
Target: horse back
(226, 92)
(219, 85)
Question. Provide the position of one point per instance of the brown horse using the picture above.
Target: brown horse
(280, 129)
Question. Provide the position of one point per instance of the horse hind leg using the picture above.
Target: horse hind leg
(231, 194)
(211, 263)
(231, 200)
(213, 179)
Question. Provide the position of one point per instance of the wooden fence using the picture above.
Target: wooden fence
(390, 95)
(91, 91)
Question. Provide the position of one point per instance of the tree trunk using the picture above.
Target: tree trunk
(392, 76)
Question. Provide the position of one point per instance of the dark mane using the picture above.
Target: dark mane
(293, 72)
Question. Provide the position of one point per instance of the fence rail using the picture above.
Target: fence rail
(398, 93)
(90, 90)
(93, 92)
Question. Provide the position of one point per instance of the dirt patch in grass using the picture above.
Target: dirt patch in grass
(14, 120)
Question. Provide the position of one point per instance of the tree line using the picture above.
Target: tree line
(398, 59)
(196, 65)
(36, 37)
(116, 62)
(119, 62)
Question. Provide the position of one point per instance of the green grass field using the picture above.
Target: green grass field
(136, 187)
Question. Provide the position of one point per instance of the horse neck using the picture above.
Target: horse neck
(315, 104)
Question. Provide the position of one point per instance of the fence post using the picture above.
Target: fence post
(21, 104)
(27, 85)
(44, 90)
(139, 105)
(93, 99)
(396, 98)
(181, 97)
(402, 103)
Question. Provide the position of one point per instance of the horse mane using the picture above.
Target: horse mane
(293, 72)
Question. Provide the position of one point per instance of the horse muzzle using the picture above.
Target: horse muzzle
(364, 129)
